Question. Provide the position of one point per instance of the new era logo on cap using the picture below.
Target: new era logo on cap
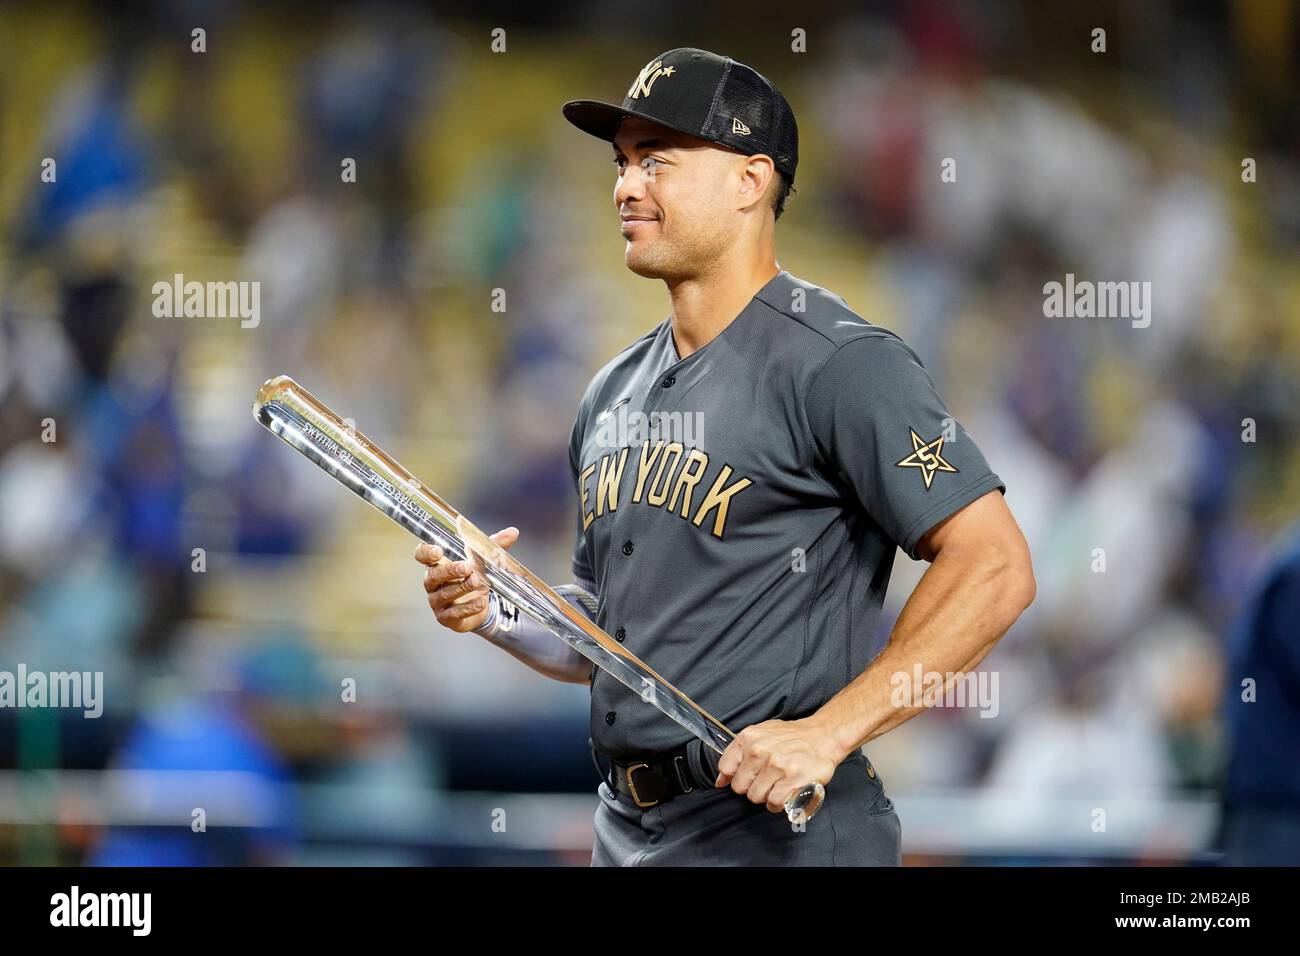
(706, 95)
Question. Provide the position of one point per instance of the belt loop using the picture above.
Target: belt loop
(698, 759)
(683, 771)
(608, 778)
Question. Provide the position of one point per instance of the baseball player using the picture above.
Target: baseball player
(744, 473)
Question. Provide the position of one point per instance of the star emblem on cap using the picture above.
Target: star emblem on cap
(927, 456)
(642, 85)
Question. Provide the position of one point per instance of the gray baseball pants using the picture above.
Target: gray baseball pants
(856, 826)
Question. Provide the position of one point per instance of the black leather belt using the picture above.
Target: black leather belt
(652, 780)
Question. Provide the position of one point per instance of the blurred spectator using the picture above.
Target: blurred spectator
(212, 753)
(1261, 796)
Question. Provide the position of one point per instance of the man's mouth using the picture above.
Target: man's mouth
(630, 223)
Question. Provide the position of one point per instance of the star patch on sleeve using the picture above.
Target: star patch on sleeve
(927, 456)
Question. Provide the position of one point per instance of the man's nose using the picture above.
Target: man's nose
(631, 185)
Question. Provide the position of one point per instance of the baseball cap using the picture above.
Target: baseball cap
(706, 95)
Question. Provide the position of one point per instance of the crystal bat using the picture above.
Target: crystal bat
(299, 419)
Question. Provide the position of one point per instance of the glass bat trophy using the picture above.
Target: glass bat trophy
(300, 420)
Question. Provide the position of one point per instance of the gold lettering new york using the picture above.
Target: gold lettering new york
(668, 476)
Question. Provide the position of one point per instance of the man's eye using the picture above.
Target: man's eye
(649, 163)
(620, 162)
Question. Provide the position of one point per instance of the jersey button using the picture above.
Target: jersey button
(619, 635)
(627, 547)
(609, 718)
(670, 381)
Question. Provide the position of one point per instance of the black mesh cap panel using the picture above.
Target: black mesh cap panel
(748, 102)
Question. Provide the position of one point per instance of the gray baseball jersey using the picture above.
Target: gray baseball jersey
(739, 508)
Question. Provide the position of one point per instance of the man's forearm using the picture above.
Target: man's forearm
(959, 610)
(528, 641)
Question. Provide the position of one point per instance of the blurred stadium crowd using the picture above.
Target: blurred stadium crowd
(231, 595)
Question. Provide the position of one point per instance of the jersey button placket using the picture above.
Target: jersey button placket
(619, 585)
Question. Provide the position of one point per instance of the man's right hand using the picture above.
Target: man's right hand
(458, 590)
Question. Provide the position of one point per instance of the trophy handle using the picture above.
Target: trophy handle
(803, 804)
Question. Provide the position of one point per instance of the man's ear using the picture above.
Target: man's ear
(756, 175)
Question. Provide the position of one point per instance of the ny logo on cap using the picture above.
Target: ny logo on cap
(641, 85)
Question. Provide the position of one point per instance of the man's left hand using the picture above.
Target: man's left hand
(768, 761)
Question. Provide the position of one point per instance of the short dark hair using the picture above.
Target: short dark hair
(783, 193)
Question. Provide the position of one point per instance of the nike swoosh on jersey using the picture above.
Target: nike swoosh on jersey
(609, 411)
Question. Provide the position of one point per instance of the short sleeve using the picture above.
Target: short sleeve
(583, 573)
(881, 427)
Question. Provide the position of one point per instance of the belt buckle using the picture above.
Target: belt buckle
(631, 786)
